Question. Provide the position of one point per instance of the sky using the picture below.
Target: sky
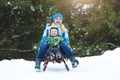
(104, 67)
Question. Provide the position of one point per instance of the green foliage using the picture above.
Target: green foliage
(11, 54)
(22, 23)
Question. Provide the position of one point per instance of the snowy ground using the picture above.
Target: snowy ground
(105, 67)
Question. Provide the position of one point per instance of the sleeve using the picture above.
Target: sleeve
(48, 40)
(65, 36)
(45, 34)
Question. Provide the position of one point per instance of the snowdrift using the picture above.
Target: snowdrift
(106, 66)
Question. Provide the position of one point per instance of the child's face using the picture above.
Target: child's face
(58, 20)
(53, 32)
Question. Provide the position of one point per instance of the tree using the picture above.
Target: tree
(92, 24)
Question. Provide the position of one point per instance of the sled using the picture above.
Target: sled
(55, 58)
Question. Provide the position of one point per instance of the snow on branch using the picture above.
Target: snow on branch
(16, 50)
(111, 44)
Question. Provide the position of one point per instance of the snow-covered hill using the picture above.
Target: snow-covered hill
(104, 67)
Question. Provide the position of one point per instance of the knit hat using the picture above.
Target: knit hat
(57, 15)
(53, 28)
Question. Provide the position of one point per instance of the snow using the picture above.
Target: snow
(104, 67)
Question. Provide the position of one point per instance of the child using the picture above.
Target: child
(64, 45)
(54, 40)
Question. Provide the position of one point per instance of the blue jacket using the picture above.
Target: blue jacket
(63, 34)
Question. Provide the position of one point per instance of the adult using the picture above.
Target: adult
(64, 45)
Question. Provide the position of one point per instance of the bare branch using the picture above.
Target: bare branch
(16, 50)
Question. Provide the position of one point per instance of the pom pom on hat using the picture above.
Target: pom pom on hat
(57, 15)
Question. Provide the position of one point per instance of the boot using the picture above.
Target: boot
(37, 64)
(74, 62)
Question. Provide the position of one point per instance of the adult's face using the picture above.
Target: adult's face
(58, 20)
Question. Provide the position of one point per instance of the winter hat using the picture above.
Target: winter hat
(53, 28)
(57, 15)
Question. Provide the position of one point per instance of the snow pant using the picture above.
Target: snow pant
(67, 50)
(43, 48)
(63, 47)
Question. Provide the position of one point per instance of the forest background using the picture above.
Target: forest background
(93, 25)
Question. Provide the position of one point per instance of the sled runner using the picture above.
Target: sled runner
(55, 58)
